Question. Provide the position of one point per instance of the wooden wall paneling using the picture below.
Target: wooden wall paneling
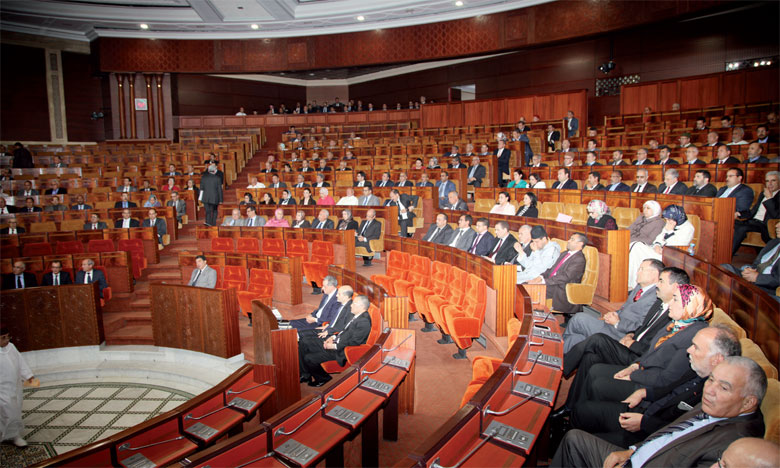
(477, 112)
(630, 99)
(768, 327)
(617, 246)
(732, 88)
(710, 91)
(455, 114)
(690, 95)
(520, 107)
(761, 84)
(504, 283)
(648, 97)
(83, 95)
(434, 115)
(395, 311)
(668, 95)
(284, 344)
(24, 114)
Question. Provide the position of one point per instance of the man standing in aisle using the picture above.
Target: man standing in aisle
(211, 194)
(13, 369)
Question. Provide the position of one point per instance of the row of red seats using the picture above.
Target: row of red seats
(134, 246)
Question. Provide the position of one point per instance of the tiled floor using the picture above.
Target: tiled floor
(67, 416)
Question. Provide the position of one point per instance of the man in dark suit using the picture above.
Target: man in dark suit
(463, 237)
(767, 207)
(536, 161)
(305, 167)
(211, 193)
(80, 205)
(424, 182)
(672, 184)
(300, 181)
(439, 232)
(593, 182)
(724, 156)
(29, 206)
(88, 275)
(504, 154)
(454, 202)
(12, 228)
(642, 185)
(564, 182)
(591, 159)
(734, 188)
(572, 124)
(569, 268)
(269, 168)
(730, 410)
(484, 240)
(452, 153)
(503, 249)
(642, 159)
(334, 327)
(553, 135)
(6, 209)
(300, 220)
(360, 180)
(22, 157)
(126, 221)
(701, 186)
(616, 183)
(692, 156)
(28, 190)
(322, 221)
(385, 182)
(325, 311)
(125, 202)
(664, 158)
(355, 333)
(456, 164)
(403, 180)
(276, 184)
(94, 223)
(617, 159)
(476, 172)
(19, 279)
(159, 223)
(369, 229)
(764, 272)
(56, 189)
(56, 276)
(754, 154)
(405, 204)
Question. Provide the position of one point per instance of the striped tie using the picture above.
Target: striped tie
(671, 429)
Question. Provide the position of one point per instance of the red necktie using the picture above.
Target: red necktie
(667, 189)
(638, 295)
(568, 254)
(476, 241)
(498, 246)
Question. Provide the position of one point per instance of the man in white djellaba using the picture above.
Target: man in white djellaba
(13, 370)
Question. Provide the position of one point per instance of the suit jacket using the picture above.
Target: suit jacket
(704, 446)
(619, 163)
(129, 205)
(552, 138)
(667, 363)
(669, 162)
(503, 160)
(181, 207)
(427, 184)
(373, 231)
(760, 159)
(459, 205)
(355, 334)
(283, 185)
(351, 224)
(632, 314)
(159, 223)
(366, 183)
(211, 189)
(60, 191)
(649, 188)
(407, 201)
(708, 190)
(9, 280)
(448, 187)
(597, 187)
(456, 166)
(621, 187)
(479, 174)
(406, 183)
(569, 272)
(678, 189)
(97, 277)
(373, 200)
(76, 207)
(122, 189)
(484, 245)
(695, 161)
(646, 162)
(744, 196)
(465, 240)
(258, 221)
(507, 251)
(207, 278)
(328, 224)
(48, 279)
(729, 160)
(769, 281)
(100, 225)
(24, 209)
(389, 183)
(655, 320)
(575, 125)
(301, 224)
(442, 237)
(772, 207)
(19, 230)
(568, 185)
(133, 223)
(661, 404)
(287, 201)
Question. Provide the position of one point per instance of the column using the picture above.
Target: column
(131, 86)
(149, 105)
(121, 94)
(160, 105)
(56, 93)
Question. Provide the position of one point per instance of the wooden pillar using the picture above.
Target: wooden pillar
(160, 106)
(121, 93)
(149, 105)
(131, 86)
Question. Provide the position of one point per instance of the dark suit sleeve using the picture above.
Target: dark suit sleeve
(29, 280)
(355, 335)
(744, 201)
(570, 272)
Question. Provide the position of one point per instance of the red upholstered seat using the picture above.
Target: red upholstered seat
(249, 245)
(354, 353)
(261, 286)
(298, 248)
(456, 290)
(234, 277)
(222, 244)
(213, 413)
(100, 245)
(273, 247)
(397, 266)
(166, 444)
(99, 457)
(321, 257)
(35, 249)
(464, 323)
(136, 249)
(68, 247)
(107, 290)
(419, 274)
(246, 388)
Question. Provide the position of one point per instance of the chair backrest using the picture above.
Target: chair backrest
(322, 252)
(131, 245)
(751, 350)
(591, 275)
(376, 324)
(222, 244)
(100, 245)
(397, 264)
(34, 249)
(578, 212)
(483, 205)
(71, 225)
(624, 216)
(43, 226)
(722, 318)
(513, 330)
(234, 277)
(769, 408)
(69, 247)
(248, 245)
(272, 246)
(696, 221)
(298, 248)
(419, 269)
(550, 210)
(261, 281)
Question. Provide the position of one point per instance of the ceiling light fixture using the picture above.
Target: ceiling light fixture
(143, 26)
(361, 18)
(459, 3)
(254, 26)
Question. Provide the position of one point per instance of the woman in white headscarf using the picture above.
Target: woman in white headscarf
(648, 225)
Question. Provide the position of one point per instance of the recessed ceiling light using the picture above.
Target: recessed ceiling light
(144, 26)
(361, 18)
(459, 3)
(311, 74)
(254, 26)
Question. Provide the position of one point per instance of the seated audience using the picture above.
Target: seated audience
(13, 228)
(724, 156)
(649, 224)
(325, 198)
(267, 199)
(125, 202)
(664, 153)
(56, 189)
(701, 186)
(672, 184)
(535, 181)
(642, 185)
(568, 268)
(463, 236)
(307, 198)
(322, 221)
(80, 205)
(536, 161)
(767, 207)
(126, 221)
(754, 154)
(454, 202)
(255, 184)
(19, 279)
(252, 219)
(503, 206)
(94, 223)
(300, 220)
(179, 206)
(528, 206)
(152, 202)
(593, 182)
(517, 180)
(55, 205)
(170, 186)
(617, 159)
(203, 276)
(88, 274)
(56, 276)
(234, 219)
(278, 220)
(127, 186)
(346, 221)
(444, 186)
(325, 311)
(439, 232)
(286, 198)
(764, 272)
(159, 223)
(642, 159)
(349, 198)
(369, 229)
(503, 250)
(424, 182)
(564, 182)
(544, 253)
(598, 216)
(28, 190)
(247, 200)
(476, 172)
(368, 198)
(591, 160)
(743, 194)
(692, 156)
(616, 183)
(738, 136)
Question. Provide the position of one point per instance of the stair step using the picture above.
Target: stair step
(136, 334)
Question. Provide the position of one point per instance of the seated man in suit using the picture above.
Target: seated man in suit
(369, 229)
(125, 202)
(424, 182)
(475, 173)
(767, 207)
(327, 309)
(692, 156)
(13, 228)
(627, 318)
(642, 159)
(593, 182)
(300, 220)
(275, 183)
(403, 180)
(203, 276)
(385, 181)
(642, 185)
(55, 205)
(616, 183)
(126, 221)
(730, 409)
(172, 172)
(764, 272)
(368, 198)
(234, 219)
(56, 276)
(591, 159)
(724, 156)
(536, 161)
(569, 268)
(484, 240)
(456, 164)
(454, 202)
(754, 154)
(28, 190)
(444, 186)
(464, 236)
(617, 159)
(564, 182)
(544, 253)
(252, 219)
(19, 279)
(94, 223)
(405, 204)
(159, 223)
(80, 205)
(334, 327)
(503, 250)
(360, 180)
(55, 188)
(439, 232)
(179, 205)
(664, 158)
(734, 188)
(300, 181)
(453, 153)
(672, 184)
(88, 275)
(4, 209)
(322, 221)
(355, 333)
(701, 186)
(127, 186)
(29, 206)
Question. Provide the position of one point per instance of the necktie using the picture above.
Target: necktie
(474, 245)
(195, 280)
(498, 246)
(12, 231)
(4, 210)
(681, 426)
(558, 266)
(321, 225)
(435, 233)
(124, 204)
(19, 282)
(638, 189)
(442, 191)
(369, 222)
(655, 317)
(232, 222)
(365, 202)
(667, 189)
(88, 278)
(638, 295)
(56, 280)
(771, 261)
(94, 226)
(457, 237)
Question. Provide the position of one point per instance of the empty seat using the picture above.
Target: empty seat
(68, 247)
(419, 274)
(34, 249)
(136, 249)
(321, 257)
(250, 245)
(222, 244)
(482, 367)
(161, 444)
(100, 245)
(550, 210)
(212, 413)
(579, 213)
(44, 226)
(273, 247)
(464, 323)
(234, 277)
(245, 391)
(397, 267)
(298, 248)
(261, 286)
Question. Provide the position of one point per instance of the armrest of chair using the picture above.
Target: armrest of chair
(107, 293)
(377, 245)
(354, 353)
(579, 293)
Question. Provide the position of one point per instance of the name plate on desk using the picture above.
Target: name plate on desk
(137, 461)
(547, 334)
(339, 413)
(510, 435)
(542, 394)
(546, 359)
(242, 403)
(541, 315)
(297, 452)
(378, 386)
(201, 431)
(397, 362)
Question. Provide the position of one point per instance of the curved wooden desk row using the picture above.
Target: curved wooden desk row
(716, 214)
(501, 423)
(751, 307)
(343, 241)
(180, 432)
(12, 246)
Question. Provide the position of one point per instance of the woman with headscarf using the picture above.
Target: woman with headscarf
(665, 364)
(598, 216)
(152, 202)
(677, 232)
(648, 225)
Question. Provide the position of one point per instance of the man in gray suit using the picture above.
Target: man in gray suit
(179, 205)
(454, 202)
(628, 318)
(439, 232)
(252, 220)
(368, 198)
(234, 219)
(203, 276)
(322, 221)
(464, 236)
